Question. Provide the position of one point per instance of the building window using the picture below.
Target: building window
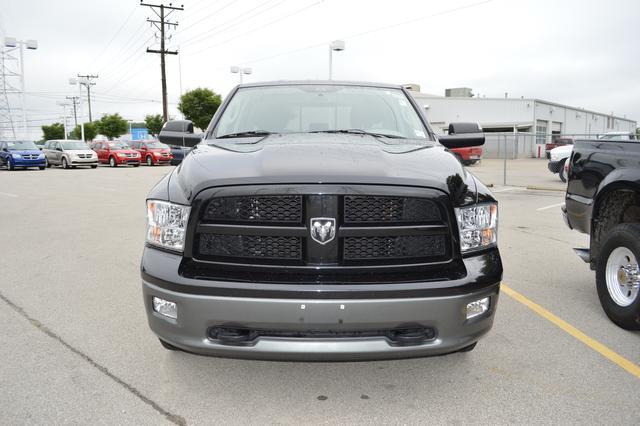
(541, 131)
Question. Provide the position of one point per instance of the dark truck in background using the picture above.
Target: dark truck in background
(319, 221)
(603, 200)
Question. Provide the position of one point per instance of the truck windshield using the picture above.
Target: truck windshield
(71, 145)
(21, 146)
(320, 108)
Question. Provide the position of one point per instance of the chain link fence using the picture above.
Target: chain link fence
(521, 159)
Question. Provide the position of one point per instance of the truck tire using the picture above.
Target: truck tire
(618, 275)
(562, 173)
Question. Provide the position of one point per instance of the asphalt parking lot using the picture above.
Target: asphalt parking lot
(75, 346)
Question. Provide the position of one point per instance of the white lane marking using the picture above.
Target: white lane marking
(511, 188)
(9, 195)
(549, 207)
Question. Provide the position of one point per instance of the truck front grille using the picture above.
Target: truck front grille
(258, 209)
(381, 248)
(382, 209)
(251, 246)
(265, 227)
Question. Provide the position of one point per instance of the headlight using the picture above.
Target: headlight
(478, 225)
(16, 155)
(167, 224)
(41, 156)
(120, 154)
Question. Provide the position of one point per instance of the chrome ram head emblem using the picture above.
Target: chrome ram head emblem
(323, 229)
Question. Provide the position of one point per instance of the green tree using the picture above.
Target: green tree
(154, 123)
(53, 131)
(638, 132)
(199, 105)
(90, 132)
(112, 126)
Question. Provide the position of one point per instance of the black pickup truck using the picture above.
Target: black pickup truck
(320, 220)
(603, 200)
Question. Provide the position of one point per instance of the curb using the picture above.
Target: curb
(544, 188)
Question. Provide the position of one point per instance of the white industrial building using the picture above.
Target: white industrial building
(526, 122)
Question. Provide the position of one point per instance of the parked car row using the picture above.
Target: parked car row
(73, 153)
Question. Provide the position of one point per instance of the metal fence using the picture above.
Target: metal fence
(519, 159)
(523, 145)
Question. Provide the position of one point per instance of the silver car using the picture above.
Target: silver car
(69, 153)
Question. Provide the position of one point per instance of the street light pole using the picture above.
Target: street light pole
(338, 46)
(240, 71)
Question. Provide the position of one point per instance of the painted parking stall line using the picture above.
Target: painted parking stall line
(7, 194)
(552, 206)
(603, 350)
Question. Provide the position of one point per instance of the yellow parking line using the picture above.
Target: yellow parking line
(631, 367)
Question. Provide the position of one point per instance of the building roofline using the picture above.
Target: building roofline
(538, 100)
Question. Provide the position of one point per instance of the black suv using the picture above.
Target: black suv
(320, 220)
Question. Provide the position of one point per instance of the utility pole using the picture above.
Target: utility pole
(74, 100)
(86, 81)
(159, 10)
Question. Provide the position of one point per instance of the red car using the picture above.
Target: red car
(116, 153)
(153, 152)
(469, 155)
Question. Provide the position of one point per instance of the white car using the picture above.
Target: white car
(557, 159)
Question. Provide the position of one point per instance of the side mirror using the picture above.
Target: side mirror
(462, 135)
(179, 132)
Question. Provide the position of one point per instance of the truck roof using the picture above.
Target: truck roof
(321, 82)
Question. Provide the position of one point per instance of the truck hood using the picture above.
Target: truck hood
(321, 158)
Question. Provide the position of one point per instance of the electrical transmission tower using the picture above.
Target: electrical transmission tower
(7, 131)
(163, 13)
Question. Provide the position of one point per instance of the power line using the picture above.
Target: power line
(99, 55)
(132, 54)
(258, 28)
(207, 16)
(242, 17)
(124, 49)
(312, 46)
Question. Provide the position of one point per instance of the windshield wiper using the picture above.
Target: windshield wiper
(360, 132)
(246, 134)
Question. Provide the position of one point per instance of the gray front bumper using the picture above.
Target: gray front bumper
(197, 313)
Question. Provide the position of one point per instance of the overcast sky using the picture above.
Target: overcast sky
(578, 52)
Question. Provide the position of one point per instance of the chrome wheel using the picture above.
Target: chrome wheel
(622, 276)
(149, 160)
(64, 163)
(112, 162)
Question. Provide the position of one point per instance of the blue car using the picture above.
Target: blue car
(21, 154)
